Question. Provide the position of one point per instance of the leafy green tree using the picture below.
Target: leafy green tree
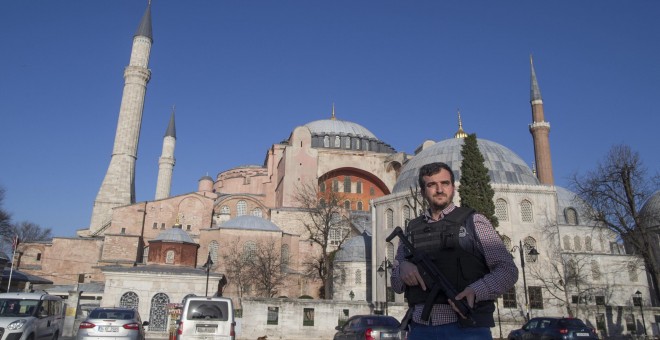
(475, 189)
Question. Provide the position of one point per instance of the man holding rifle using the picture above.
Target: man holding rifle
(464, 248)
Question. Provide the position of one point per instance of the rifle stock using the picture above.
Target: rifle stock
(434, 279)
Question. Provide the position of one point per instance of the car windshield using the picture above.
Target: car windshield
(391, 322)
(112, 314)
(18, 307)
(571, 323)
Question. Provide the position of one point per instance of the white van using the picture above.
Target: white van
(30, 316)
(207, 318)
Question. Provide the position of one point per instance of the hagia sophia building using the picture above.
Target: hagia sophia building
(150, 253)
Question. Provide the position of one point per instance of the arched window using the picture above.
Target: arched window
(567, 242)
(357, 143)
(595, 270)
(406, 215)
(358, 276)
(343, 276)
(249, 250)
(587, 243)
(501, 210)
(507, 242)
(256, 212)
(326, 141)
(337, 142)
(347, 205)
(358, 187)
(241, 208)
(224, 210)
(359, 205)
(158, 314)
(169, 257)
(347, 184)
(526, 212)
(577, 243)
(632, 272)
(529, 243)
(390, 251)
(571, 275)
(389, 218)
(129, 300)
(285, 257)
(322, 202)
(347, 142)
(366, 145)
(335, 185)
(213, 250)
(322, 186)
(571, 216)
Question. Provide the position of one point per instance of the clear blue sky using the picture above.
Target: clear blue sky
(244, 74)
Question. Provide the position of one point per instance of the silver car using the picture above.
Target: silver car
(115, 323)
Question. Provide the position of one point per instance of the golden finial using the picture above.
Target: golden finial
(333, 112)
(460, 133)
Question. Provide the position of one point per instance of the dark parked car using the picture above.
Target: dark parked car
(554, 328)
(369, 327)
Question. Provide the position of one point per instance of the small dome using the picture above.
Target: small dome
(339, 127)
(355, 249)
(650, 212)
(174, 235)
(249, 222)
(504, 166)
(206, 178)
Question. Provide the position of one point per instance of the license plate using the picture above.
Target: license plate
(389, 335)
(109, 328)
(206, 329)
(582, 334)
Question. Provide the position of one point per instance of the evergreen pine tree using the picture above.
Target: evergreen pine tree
(475, 189)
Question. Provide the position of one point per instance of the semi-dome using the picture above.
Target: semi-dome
(504, 166)
(174, 235)
(650, 212)
(339, 127)
(249, 222)
(355, 249)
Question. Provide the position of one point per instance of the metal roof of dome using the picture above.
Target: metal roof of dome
(174, 235)
(249, 222)
(355, 249)
(504, 166)
(337, 126)
(651, 210)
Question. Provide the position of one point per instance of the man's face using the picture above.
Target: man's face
(438, 189)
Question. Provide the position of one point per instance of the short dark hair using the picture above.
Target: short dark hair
(432, 169)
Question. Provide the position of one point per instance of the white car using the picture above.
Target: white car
(30, 316)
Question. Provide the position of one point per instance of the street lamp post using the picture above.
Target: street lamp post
(533, 253)
(384, 267)
(208, 265)
(638, 295)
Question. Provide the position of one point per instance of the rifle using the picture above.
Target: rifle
(433, 279)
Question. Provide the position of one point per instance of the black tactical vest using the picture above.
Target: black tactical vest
(452, 245)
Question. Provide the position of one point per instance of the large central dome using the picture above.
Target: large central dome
(504, 166)
(339, 127)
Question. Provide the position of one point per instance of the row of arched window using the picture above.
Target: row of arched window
(502, 210)
(359, 206)
(357, 276)
(577, 243)
(347, 186)
(241, 209)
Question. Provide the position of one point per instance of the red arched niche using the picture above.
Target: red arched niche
(371, 187)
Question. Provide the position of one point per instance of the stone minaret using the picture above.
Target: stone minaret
(118, 187)
(166, 161)
(540, 130)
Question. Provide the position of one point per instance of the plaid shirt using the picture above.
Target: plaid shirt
(503, 272)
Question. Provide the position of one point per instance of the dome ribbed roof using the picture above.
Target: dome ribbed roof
(504, 166)
(355, 249)
(249, 222)
(174, 235)
(337, 126)
(650, 212)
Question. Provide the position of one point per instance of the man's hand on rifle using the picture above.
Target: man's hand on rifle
(410, 275)
(469, 295)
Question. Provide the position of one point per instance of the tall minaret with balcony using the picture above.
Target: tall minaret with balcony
(118, 187)
(166, 161)
(540, 130)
